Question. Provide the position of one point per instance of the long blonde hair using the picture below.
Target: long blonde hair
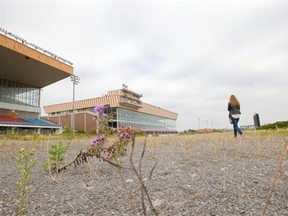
(234, 101)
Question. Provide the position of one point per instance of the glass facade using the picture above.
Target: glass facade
(143, 121)
(124, 118)
(17, 93)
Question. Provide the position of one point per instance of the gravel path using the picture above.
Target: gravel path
(210, 174)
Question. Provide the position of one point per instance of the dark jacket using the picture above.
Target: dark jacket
(233, 110)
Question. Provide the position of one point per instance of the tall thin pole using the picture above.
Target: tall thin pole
(75, 79)
(73, 107)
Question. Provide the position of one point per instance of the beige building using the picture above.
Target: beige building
(24, 69)
(124, 105)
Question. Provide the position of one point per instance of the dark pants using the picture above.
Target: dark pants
(236, 127)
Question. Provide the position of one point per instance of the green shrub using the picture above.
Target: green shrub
(275, 125)
(25, 162)
(56, 157)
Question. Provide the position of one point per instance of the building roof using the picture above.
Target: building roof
(113, 99)
(29, 64)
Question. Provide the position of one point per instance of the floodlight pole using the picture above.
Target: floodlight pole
(75, 80)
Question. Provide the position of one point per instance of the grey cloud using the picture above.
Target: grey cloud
(187, 56)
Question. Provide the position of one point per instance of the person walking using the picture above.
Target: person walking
(234, 114)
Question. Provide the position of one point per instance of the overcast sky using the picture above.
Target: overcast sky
(184, 56)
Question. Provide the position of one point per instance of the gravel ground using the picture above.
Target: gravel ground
(211, 174)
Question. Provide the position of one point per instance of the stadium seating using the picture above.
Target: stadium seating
(36, 121)
(10, 119)
(29, 121)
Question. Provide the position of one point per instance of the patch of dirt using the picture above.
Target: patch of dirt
(211, 174)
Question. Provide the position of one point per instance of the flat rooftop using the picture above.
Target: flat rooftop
(29, 64)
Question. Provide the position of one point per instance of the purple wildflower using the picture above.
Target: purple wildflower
(97, 140)
(94, 142)
(99, 108)
(121, 136)
(124, 136)
(127, 136)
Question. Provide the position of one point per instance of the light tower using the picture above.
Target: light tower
(75, 80)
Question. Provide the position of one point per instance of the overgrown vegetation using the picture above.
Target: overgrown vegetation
(110, 150)
(25, 163)
(275, 125)
(139, 175)
(56, 158)
(101, 147)
(220, 148)
(276, 176)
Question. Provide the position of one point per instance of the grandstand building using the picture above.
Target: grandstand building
(24, 69)
(125, 107)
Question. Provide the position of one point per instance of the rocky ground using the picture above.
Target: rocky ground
(211, 174)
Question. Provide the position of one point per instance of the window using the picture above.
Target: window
(17, 93)
(144, 121)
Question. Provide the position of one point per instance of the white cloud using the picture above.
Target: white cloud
(184, 56)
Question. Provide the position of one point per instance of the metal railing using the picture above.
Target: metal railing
(33, 46)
